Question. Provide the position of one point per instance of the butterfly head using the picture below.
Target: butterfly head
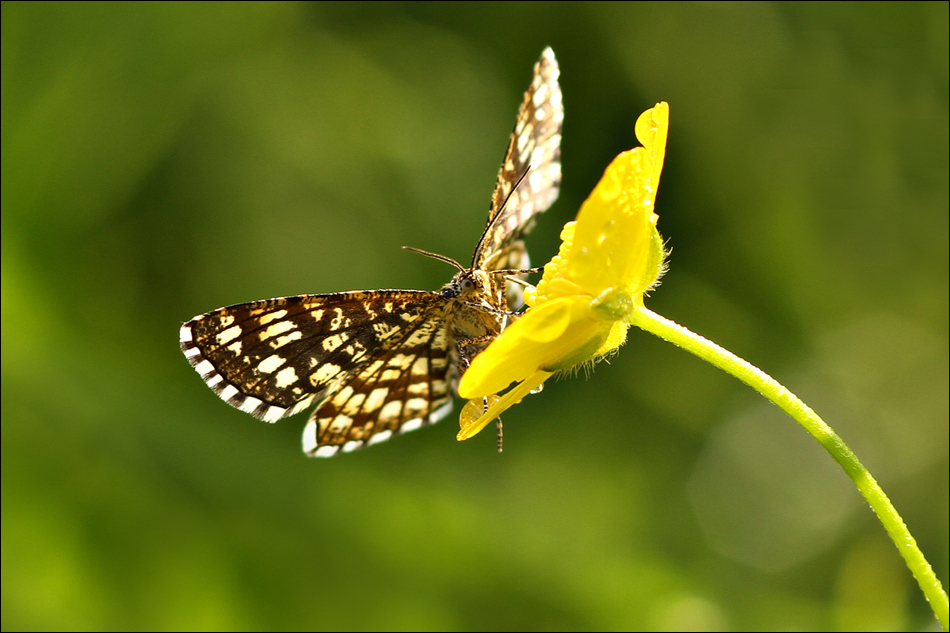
(471, 286)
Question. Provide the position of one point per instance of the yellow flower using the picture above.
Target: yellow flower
(609, 257)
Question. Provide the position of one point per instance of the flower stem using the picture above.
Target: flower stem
(791, 404)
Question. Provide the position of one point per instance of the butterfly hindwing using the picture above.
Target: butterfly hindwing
(404, 387)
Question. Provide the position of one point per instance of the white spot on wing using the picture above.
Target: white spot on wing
(352, 445)
(229, 392)
(270, 363)
(539, 95)
(402, 361)
(310, 437)
(342, 395)
(340, 423)
(337, 320)
(420, 336)
(250, 405)
(204, 368)
(391, 410)
(536, 180)
(330, 343)
(324, 374)
(229, 335)
(326, 451)
(280, 341)
(276, 330)
(184, 335)
(558, 112)
(376, 438)
(389, 375)
(524, 137)
(273, 316)
(274, 413)
(285, 377)
(417, 404)
(420, 367)
(353, 405)
(411, 425)
(376, 398)
(300, 406)
(537, 157)
(419, 389)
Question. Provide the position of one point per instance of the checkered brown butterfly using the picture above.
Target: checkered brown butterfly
(382, 362)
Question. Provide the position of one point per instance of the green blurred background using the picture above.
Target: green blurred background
(161, 160)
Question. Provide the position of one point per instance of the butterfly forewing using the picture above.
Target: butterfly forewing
(383, 362)
(273, 358)
(530, 176)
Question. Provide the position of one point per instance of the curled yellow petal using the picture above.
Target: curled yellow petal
(472, 413)
(651, 129)
(470, 428)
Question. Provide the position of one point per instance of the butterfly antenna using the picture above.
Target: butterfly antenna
(442, 258)
(520, 282)
(478, 247)
(517, 271)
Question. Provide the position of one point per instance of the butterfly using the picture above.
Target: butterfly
(379, 363)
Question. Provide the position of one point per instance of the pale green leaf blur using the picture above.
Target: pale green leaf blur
(161, 160)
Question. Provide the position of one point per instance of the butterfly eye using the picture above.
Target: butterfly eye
(468, 284)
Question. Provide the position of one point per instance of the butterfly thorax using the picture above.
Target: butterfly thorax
(472, 315)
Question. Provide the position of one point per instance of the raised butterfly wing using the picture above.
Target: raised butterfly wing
(530, 176)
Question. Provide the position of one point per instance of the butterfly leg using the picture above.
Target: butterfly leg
(465, 359)
(495, 311)
(501, 434)
(498, 424)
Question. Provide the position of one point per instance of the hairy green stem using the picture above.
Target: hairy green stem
(791, 404)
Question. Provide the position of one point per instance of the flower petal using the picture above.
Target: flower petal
(613, 228)
(543, 338)
(651, 130)
(513, 397)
